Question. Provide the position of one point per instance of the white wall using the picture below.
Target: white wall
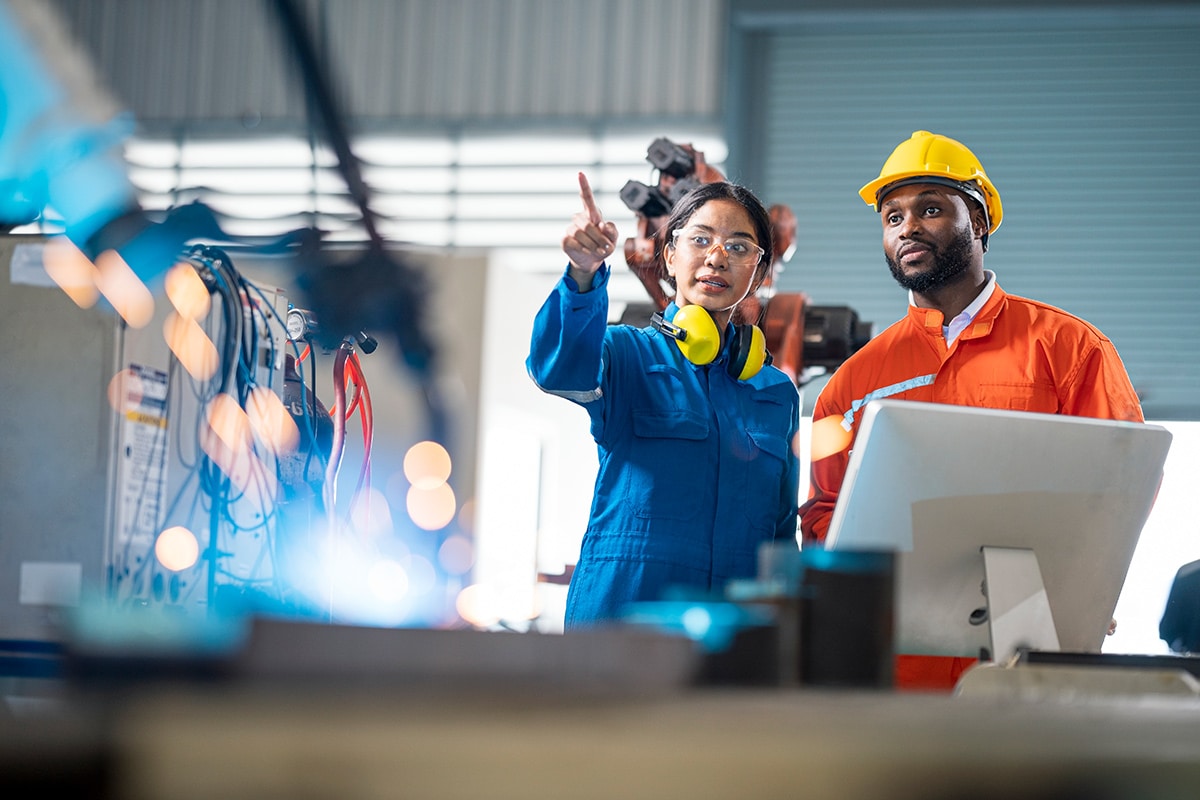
(536, 461)
(1170, 539)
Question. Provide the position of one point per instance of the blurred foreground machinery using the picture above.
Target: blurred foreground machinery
(221, 362)
(62, 161)
(804, 340)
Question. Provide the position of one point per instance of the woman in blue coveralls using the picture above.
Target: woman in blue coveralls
(697, 449)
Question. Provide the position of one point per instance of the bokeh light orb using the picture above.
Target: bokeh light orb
(123, 289)
(74, 273)
(828, 437)
(431, 509)
(476, 604)
(427, 464)
(125, 390)
(187, 292)
(457, 555)
(388, 581)
(177, 549)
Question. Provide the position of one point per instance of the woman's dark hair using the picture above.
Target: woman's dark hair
(691, 202)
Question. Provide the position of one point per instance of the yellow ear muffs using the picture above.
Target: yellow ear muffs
(747, 352)
(694, 330)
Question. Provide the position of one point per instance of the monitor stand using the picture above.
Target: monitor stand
(1018, 611)
(1028, 662)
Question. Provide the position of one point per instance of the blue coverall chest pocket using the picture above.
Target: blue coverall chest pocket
(670, 456)
(762, 477)
(770, 443)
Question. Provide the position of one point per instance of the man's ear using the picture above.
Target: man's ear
(979, 222)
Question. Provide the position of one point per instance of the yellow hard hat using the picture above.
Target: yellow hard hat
(932, 158)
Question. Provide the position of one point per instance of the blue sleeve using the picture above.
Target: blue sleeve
(566, 351)
(786, 528)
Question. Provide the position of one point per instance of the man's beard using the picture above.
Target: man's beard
(948, 264)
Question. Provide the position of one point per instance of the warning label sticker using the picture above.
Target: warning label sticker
(142, 472)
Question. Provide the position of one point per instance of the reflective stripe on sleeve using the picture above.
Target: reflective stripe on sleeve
(879, 394)
(578, 397)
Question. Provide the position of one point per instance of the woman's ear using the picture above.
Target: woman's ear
(668, 255)
(760, 275)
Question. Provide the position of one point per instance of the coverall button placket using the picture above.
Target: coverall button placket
(726, 516)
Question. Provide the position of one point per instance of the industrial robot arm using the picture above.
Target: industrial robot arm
(61, 139)
(680, 169)
(60, 132)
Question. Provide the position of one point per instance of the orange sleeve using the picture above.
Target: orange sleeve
(929, 673)
(825, 480)
(826, 474)
(1101, 388)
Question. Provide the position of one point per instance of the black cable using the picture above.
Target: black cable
(321, 96)
(377, 291)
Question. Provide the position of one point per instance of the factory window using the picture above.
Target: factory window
(450, 189)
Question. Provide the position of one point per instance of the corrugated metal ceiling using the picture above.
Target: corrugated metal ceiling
(223, 63)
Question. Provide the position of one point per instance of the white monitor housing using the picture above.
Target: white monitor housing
(1013, 529)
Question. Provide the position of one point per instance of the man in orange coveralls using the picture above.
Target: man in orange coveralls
(963, 341)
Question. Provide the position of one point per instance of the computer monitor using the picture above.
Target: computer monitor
(939, 483)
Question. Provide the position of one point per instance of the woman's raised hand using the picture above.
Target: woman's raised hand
(589, 239)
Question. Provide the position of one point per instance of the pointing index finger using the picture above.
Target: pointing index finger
(589, 202)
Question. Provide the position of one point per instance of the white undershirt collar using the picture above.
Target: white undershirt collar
(960, 323)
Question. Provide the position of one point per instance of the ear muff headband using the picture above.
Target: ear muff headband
(696, 334)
